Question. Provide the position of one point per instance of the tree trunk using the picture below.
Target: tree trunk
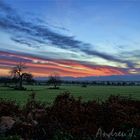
(20, 82)
(55, 86)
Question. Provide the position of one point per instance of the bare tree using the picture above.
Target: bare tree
(55, 80)
(19, 74)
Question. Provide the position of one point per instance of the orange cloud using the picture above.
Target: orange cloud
(43, 67)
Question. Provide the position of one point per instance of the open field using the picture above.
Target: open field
(67, 117)
(88, 93)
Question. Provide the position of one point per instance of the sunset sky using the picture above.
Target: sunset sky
(70, 37)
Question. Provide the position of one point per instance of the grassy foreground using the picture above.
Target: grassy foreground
(43, 93)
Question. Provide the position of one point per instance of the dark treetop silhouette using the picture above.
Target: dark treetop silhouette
(19, 74)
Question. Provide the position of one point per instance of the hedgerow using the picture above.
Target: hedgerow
(69, 118)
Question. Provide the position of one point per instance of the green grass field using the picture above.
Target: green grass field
(88, 93)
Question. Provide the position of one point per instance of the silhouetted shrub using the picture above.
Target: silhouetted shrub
(72, 119)
(9, 108)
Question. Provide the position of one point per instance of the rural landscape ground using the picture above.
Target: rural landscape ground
(43, 93)
(41, 112)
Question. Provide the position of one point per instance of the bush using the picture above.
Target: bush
(71, 119)
(9, 108)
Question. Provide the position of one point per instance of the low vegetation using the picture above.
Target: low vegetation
(70, 119)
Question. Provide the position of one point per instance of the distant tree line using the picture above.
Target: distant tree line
(103, 83)
(51, 81)
(55, 82)
(5, 80)
(8, 80)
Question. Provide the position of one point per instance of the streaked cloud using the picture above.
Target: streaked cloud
(64, 67)
(54, 51)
